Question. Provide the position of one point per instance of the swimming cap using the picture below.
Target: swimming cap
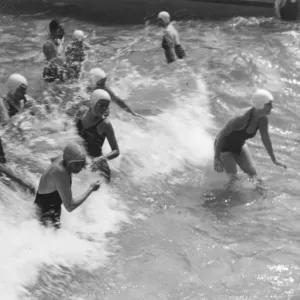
(99, 95)
(260, 98)
(165, 16)
(97, 74)
(74, 152)
(14, 81)
(78, 35)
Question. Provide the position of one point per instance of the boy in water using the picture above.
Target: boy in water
(170, 41)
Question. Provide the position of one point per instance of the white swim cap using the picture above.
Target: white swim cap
(260, 98)
(97, 74)
(165, 16)
(98, 95)
(74, 152)
(78, 35)
(14, 81)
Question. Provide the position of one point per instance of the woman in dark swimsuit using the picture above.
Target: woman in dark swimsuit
(55, 186)
(230, 145)
(94, 127)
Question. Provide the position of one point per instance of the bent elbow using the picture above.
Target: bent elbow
(69, 208)
(117, 153)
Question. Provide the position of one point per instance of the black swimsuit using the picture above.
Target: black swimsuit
(236, 139)
(93, 142)
(49, 208)
(289, 12)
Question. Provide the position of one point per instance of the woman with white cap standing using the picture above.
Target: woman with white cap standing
(230, 145)
(94, 127)
(55, 186)
(170, 41)
(98, 79)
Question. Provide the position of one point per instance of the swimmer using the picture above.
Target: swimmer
(170, 41)
(14, 102)
(230, 147)
(55, 186)
(287, 10)
(75, 53)
(55, 69)
(55, 40)
(98, 81)
(94, 127)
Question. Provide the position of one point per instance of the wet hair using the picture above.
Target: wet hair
(56, 29)
(54, 25)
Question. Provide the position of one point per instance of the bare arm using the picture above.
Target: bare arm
(110, 134)
(169, 51)
(4, 117)
(265, 137)
(63, 185)
(121, 103)
(10, 174)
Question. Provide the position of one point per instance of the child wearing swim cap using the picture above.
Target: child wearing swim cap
(55, 186)
(170, 42)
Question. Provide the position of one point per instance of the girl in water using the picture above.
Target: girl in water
(55, 186)
(230, 145)
(94, 127)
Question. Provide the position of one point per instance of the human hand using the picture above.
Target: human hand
(98, 162)
(218, 165)
(95, 186)
(279, 163)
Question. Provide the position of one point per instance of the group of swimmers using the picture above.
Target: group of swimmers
(93, 125)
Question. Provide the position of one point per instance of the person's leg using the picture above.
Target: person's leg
(229, 163)
(245, 161)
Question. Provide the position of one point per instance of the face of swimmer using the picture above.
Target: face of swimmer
(101, 108)
(20, 93)
(160, 22)
(101, 83)
(77, 166)
(267, 108)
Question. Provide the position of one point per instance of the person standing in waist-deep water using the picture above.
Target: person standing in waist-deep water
(15, 101)
(230, 145)
(170, 42)
(76, 52)
(98, 79)
(94, 127)
(55, 185)
(287, 10)
(55, 68)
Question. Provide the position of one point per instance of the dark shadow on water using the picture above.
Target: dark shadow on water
(233, 194)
